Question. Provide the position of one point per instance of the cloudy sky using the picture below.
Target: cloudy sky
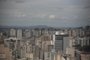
(58, 13)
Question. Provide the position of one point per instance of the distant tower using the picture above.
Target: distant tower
(12, 33)
(19, 33)
(27, 33)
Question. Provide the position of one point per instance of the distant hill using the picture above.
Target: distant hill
(37, 27)
(30, 27)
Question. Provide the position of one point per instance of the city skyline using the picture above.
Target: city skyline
(57, 13)
(47, 44)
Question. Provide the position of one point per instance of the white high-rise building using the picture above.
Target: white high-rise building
(12, 33)
(19, 33)
(28, 33)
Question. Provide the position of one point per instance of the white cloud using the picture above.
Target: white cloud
(52, 16)
(40, 15)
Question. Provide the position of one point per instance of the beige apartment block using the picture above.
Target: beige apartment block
(85, 56)
(70, 51)
(5, 53)
(58, 56)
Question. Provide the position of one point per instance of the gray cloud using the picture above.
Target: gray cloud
(48, 12)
